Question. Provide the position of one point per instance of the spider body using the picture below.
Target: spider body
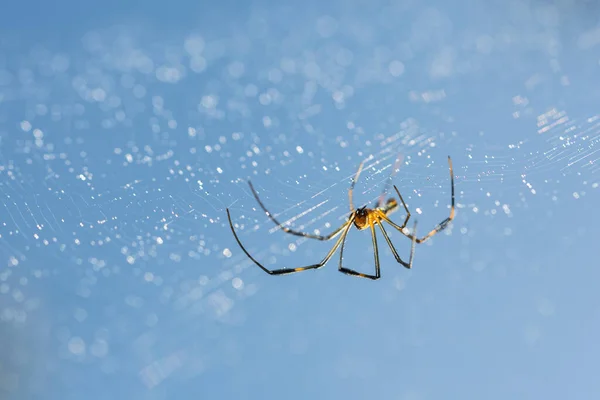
(365, 216)
(361, 218)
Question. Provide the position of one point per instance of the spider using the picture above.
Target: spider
(362, 218)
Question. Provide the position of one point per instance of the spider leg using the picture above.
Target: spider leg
(285, 271)
(405, 207)
(291, 231)
(395, 169)
(442, 225)
(348, 271)
(439, 227)
(360, 167)
(394, 252)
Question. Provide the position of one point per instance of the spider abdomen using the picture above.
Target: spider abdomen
(390, 206)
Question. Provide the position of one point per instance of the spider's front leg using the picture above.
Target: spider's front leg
(352, 272)
(289, 230)
(286, 271)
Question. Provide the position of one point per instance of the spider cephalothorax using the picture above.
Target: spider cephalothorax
(361, 218)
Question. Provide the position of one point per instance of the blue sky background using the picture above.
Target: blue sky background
(125, 132)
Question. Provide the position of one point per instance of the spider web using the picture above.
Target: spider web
(119, 157)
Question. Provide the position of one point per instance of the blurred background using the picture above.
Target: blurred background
(127, 129)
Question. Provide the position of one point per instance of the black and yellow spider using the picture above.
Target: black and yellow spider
(362, 218)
